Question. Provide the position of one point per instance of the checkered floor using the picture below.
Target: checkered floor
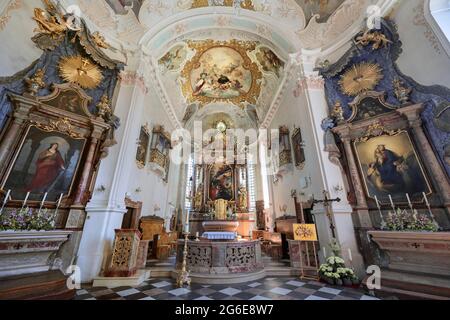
(265, 289)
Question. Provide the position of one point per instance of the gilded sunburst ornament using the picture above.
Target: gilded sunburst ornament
(360, 78)
(81, 71)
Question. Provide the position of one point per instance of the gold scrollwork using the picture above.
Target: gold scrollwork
(376, 130)
(241, 47)
(158, 158)
(61, 125)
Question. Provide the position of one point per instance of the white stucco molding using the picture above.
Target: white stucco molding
(445, 43)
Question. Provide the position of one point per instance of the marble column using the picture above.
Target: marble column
(412, 113)
(22, 107)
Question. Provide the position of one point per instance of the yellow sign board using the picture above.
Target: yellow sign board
(305, 232)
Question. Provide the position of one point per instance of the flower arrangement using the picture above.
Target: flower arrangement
(27, 219)
(407, 221)
(334, 272)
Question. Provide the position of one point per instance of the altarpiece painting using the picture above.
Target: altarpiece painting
(390, 165)
(46, 163)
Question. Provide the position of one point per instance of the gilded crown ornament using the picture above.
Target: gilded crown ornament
(81, 71)
(361, 78)
(36, 82)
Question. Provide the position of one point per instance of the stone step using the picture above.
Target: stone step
(282, 272)
(50, 285)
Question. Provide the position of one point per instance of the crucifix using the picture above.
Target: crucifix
(327, 205)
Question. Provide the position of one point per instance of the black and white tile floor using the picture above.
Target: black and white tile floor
(265, 289)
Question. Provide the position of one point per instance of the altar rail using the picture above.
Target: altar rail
(221, 257)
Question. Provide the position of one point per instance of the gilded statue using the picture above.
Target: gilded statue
(377, 39)
(103, 107)
(401, 92)
(48, 24)
(36, 82)
(338, 112)
(198, 198)
(243, 198)
(54, 21)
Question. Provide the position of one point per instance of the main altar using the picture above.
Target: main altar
(222, 250)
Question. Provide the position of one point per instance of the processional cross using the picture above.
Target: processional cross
(327, 203)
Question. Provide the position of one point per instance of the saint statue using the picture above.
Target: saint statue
(243, 198)
(198, 198)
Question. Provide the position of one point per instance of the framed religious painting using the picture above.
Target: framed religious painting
(299, 151)
(142, 149)
(390, 166)
(285, 155)
(221, 182)
(47, 162)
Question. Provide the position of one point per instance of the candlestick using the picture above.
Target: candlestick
(379, 211)
(392, 203)
(26, 199)
(43, 199)
(429, 209)
(409, 201)
(5, 201)
(59, 203)
(426, 199)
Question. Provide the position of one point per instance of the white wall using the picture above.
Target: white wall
(293, 112)
(154, 191)
(17, 51)
(423, 58)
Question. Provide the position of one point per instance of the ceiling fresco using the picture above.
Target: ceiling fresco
(236, 72)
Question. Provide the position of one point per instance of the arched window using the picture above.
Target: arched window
(437, 12)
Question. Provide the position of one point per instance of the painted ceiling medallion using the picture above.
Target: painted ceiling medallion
(221, 72)
(245, 4)
(360, 78)
(81, 71)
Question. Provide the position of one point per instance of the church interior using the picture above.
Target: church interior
(225, 150)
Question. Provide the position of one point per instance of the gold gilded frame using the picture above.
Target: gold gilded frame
(242, 47)
(377, 131)
(246, 4)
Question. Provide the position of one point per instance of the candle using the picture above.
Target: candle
(197, 234)
(7, 197)
(43, 199)
(392, 202)
(378, 202)
(59, 201)
(350, 255)
(409, 200)
(26, 199)
(324, 253)
(426, 199)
